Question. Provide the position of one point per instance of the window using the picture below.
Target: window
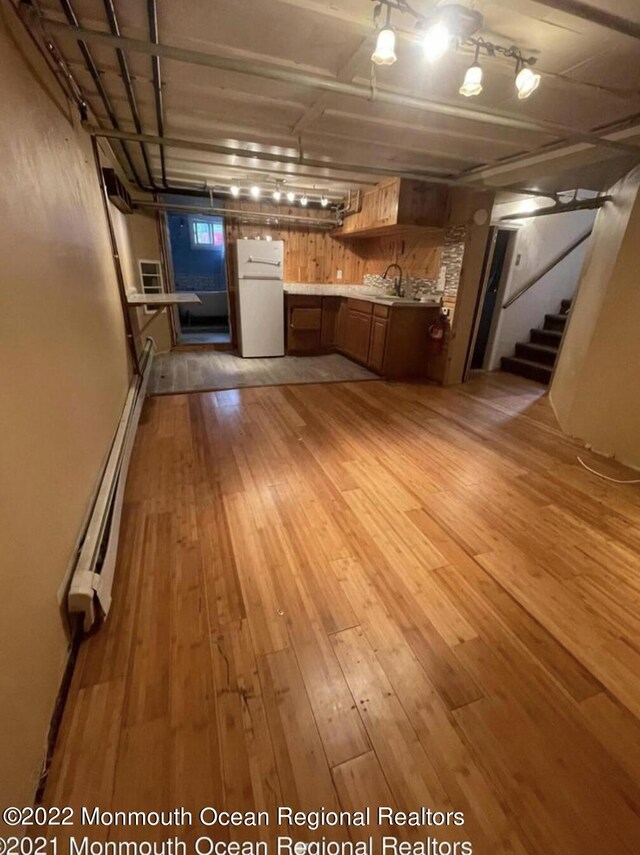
(150, 279)
(206, 234)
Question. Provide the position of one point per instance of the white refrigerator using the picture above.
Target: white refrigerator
(259, 265)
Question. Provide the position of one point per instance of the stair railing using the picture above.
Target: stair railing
(549, 267)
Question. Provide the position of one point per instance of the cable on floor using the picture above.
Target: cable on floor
(606, 477)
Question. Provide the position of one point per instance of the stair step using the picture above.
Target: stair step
(527, 368)
(540, 353)
(555, 322)
(565, 306)
(551, 338)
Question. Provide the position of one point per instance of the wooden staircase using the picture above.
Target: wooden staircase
(536, 358)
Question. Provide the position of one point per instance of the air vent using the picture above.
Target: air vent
(116, 191)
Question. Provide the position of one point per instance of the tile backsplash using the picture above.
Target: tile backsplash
(446, 285)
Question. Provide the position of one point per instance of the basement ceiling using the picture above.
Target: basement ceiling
(591, 84)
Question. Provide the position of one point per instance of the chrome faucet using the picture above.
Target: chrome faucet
(397, 280)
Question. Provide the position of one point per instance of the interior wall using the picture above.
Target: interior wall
(65, 375)
(314, 256)
(596, 386)
(534, 246)
(137, 239)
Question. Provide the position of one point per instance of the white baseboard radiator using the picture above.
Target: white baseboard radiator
(92, 580)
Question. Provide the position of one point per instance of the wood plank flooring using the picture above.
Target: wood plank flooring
(194, 370)
(356, 594)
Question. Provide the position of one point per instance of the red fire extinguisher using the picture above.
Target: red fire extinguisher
(438, 334)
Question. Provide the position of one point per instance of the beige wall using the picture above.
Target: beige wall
(596, 387)
(64, 367)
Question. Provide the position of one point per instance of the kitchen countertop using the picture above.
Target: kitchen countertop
(357, 292)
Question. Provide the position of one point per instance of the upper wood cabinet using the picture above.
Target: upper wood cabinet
(397, 205)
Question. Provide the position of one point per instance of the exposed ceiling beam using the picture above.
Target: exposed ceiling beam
(330, 165)
(416, 173)
(587, 12)
(273, 71)
(346, 74)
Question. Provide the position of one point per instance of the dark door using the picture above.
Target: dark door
(490, 298)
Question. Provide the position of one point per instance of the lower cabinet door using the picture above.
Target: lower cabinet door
(358, 332)
(377, 344)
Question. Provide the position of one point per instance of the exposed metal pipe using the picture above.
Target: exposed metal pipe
(95, 76)
(177, 142)
(559, 208)
(271, 71)
(152, 13)
(548, 268)
(609, 20)
(128, 84)
(325, 222)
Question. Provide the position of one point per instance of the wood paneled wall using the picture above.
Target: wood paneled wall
(313, 255)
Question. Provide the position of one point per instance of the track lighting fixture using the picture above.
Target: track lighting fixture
(324, 201)
(472, 84)
(234, 190)
(385, 52)
(277, 195)
(255, 191)
(291, 196)
(527, 81)
(304, 200)
(452, 25)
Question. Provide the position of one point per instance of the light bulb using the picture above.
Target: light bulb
(255, 191)
(472, 81)
(385, 52)
(234, 190)
(527, 82)
(436, 41)
(277, 195)
(304, 200)
(291, 196)
(324, 201)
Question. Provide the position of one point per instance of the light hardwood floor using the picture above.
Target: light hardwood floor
(193, 370)
(361, 594)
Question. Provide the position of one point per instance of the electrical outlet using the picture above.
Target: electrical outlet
(339, 274)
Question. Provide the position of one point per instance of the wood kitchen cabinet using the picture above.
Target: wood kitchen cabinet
(389, 340)
(395, 206)
(358, 334)
(377, 342)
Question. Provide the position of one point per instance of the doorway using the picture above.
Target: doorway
(198, 258)
(500, 242)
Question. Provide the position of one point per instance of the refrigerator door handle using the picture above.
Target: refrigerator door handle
(265, 261)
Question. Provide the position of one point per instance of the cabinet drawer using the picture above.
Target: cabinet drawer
(302, 301)
(305, 319)
(363, 306)
(380, 311)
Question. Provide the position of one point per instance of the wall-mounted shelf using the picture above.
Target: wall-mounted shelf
(160, 301)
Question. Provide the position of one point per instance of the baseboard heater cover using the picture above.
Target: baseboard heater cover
(93, 576)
